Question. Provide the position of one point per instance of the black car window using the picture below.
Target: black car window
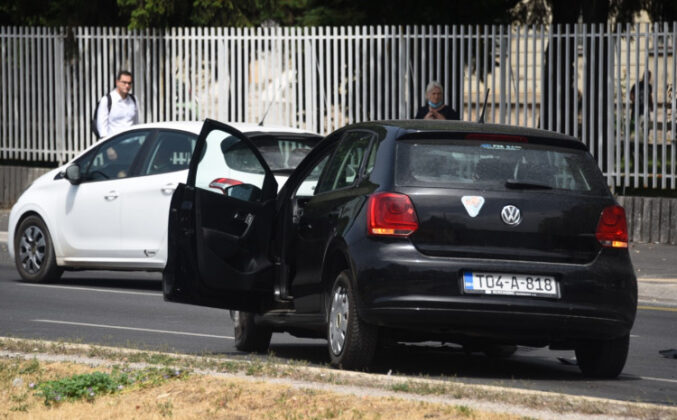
(344, 166)
(307, 187)
(171, 152)
(492, 165)
(114, 158)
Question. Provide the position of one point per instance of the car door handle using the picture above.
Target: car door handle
(246, 218)
(169, 188)
(112, 195)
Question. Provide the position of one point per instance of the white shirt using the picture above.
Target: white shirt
(123, 114)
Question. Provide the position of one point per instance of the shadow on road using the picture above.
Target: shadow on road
(450, 361)
(141, 281)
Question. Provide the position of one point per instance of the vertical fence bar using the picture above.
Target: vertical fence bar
(611, 138)
(59, 95)
(385, 90)
(51, 90)
(567, 83)
(635, 111)
(645, 111)
(461, 72)
(673, 122)
(324, 94)
(518, 40)
(575, 79)
(335, 75)
(618, 132)
(469, 65)
(372, 75)
(663, 91)
(600, 95)
(502, 60)
(485, 67)
(454, 69)
(4, 121)
(653, 102)
(350, 90)
(558, 68)
(508, 74)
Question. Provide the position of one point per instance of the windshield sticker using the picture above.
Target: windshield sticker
(472, 204)
(501, 146)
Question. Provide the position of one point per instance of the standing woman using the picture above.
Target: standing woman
(436, 109)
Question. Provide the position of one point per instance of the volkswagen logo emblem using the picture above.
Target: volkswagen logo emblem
(511, 215)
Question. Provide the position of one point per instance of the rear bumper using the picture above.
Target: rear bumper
(424, 295)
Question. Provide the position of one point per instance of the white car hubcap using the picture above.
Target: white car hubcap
(32, 248)
(338, 319)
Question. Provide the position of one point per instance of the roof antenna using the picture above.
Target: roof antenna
(265, 114)
(484, 107)
(270, 104)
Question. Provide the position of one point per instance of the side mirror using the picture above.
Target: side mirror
(73, 174)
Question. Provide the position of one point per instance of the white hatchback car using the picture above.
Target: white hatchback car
(108, 208)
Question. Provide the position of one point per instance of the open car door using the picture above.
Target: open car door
(220, 228)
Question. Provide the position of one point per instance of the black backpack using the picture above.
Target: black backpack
(96, 112)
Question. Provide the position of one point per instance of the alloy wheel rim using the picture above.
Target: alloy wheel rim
(32, 249)
(338, 319)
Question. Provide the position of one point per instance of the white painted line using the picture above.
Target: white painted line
(672, 381)
(3, 237)
(117, 327)
(90, 289)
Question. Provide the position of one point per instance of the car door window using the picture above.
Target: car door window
(228, 166)
(344, 166)
(171, 152)
(308, 185)
(114, 158)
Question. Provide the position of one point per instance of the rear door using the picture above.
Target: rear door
(219, 238)
(145, 202)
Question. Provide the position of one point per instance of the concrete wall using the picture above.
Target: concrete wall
(14, 180)
(650, 219)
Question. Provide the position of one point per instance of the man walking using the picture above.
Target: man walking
(118, 109)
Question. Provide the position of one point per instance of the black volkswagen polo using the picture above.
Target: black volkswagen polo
(484, 235)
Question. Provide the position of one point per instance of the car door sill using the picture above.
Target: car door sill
(289, 318)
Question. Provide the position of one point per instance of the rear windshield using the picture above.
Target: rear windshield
(280, 153)
(496, 165)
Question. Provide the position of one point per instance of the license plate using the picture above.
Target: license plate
(510, 284)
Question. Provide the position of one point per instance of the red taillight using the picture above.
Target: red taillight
(223, 183)
(391, 214)
(612, 229)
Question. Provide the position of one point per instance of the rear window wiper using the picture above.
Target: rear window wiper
(526, 185)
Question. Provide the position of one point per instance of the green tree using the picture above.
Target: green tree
(60, 13)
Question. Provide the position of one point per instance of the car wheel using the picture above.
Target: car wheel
(351, 342)
(603, 358)
(249, 337)
(34, 252)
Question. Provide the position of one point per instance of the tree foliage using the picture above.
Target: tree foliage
(167, 13)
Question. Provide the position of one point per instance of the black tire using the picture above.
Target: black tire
(250, 337)
(351, 342)
(603, 358)
(34, 252)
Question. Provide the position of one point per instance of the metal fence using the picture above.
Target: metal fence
(575, 79)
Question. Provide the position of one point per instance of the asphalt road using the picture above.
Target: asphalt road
(127, 309)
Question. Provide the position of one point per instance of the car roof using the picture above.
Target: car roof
(422, 128)
(196, 126)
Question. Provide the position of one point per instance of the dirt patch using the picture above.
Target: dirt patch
(222, 387)
(199, 396)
